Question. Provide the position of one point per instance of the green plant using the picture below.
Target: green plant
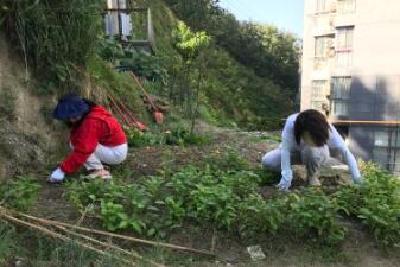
(214, 203)
(259, 216)
(19, 193)
(137, 138)
(227, 200)
(227, 159)
(182, 136)
(56, 38)
(176, 136)
(8, 242)
(314, 215)
(376, 203)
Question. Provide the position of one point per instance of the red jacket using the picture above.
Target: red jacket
(98, 127)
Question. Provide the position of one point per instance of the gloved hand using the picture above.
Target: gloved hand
(57, 176)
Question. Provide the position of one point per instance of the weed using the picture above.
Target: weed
(177, 136)
(227, 159)
(7, 241)
(20, 193)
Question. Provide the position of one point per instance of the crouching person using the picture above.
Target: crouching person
(96, 137)
(307, 138)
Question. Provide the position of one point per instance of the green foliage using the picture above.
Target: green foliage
(259, 216)
(56, 37)
(314, 216)
(376, 203)
(138, 138)
(188, 43)
(226, 200)
(176, 136)
(20, 193)
(267, 51)
(227, 159)
(140, 63)
(7, 241)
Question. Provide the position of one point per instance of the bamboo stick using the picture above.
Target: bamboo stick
(88, 238)
(128, 238)
(59, 236)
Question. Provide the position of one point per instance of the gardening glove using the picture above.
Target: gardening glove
(57, 176)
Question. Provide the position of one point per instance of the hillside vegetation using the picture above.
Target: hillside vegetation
(239, 74)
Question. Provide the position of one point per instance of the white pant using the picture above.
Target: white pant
(108, 155)
(312, 157)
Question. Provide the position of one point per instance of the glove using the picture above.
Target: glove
(57, 176)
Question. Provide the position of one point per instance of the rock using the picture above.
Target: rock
(329, 175)
(256, 253)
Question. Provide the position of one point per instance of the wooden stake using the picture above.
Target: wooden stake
(131, 254)
(59, 236)
(128, 238)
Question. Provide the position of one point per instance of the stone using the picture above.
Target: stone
(329, 175)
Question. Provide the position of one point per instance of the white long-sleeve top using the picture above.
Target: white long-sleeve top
(289, 145)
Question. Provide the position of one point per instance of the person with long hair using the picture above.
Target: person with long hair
(307, 138)
(96, 138)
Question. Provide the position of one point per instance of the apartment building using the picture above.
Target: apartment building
(351, 72)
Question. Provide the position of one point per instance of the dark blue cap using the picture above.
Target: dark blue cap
(70, 106)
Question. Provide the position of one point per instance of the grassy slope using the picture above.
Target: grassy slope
(233, 92)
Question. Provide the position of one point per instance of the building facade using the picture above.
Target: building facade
(351, 72)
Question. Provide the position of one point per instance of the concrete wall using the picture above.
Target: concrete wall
(375, 72)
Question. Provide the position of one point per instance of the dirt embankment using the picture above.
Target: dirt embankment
(27, 135)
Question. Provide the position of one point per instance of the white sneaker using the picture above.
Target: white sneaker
(103, 174)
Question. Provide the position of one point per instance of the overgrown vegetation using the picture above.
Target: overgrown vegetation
(194, 67)
(56, 38)
(176, 136)
(19, 193)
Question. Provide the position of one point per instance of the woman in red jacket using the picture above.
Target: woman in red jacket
(96, 138)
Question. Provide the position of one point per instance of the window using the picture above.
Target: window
(318, 94)
(381, 139)
(346, 6)
(340, 95)
(318, 89)
(344, 38)
(320, 47)
(340, 108)
(344, 46)
(341, 88)
(386, 151)
(321, 6)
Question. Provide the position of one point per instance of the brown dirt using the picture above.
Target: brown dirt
(27, 138)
